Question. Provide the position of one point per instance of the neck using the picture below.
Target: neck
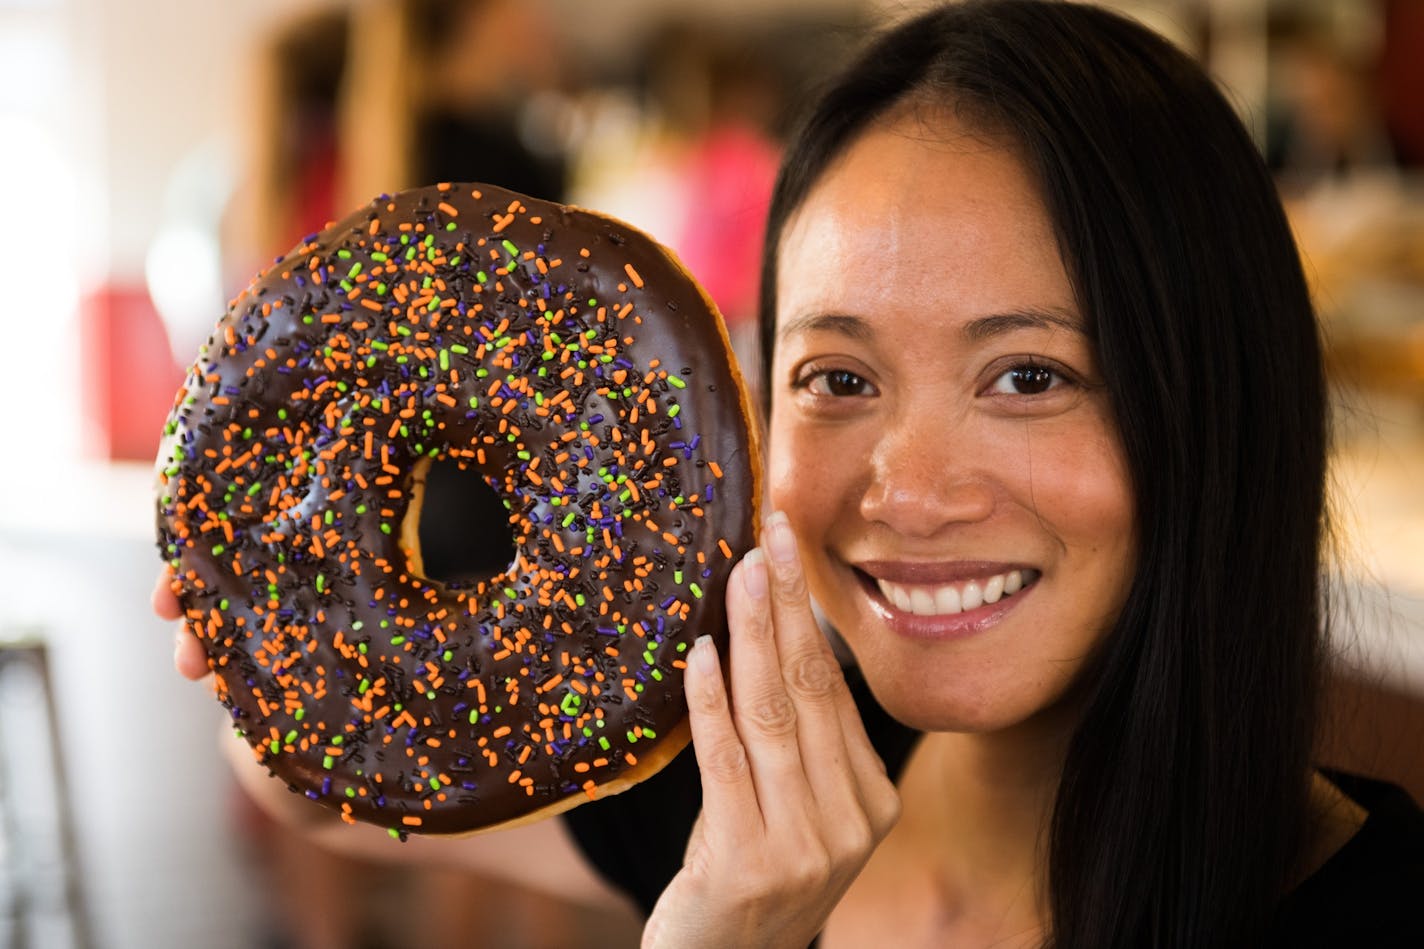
(980, 805)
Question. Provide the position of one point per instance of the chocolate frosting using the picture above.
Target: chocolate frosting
(575, 365)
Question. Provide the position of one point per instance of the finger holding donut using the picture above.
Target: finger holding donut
(188, 656)
(795, 799)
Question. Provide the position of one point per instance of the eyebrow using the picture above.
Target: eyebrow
(975, 331)
(986, 327)
(852, 326)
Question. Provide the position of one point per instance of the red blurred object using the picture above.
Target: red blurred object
(129, 376)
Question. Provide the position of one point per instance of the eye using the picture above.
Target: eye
(838, 383)
(1027, 379)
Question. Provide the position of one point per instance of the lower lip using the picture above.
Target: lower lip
(944, 626)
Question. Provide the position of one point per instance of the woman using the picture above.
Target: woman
(1047, 436)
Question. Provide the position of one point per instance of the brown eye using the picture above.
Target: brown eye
(838, 383)
(1027, 379)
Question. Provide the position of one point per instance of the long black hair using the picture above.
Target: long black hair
(1183, 807)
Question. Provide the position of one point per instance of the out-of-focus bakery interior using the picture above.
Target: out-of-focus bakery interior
(155, 153)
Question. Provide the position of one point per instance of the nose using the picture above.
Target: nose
(925, 478)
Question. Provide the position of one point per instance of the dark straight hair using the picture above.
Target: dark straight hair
(1182, 810)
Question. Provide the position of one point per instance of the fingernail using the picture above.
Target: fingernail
(703, 655)
(754, 573)
(779, 539)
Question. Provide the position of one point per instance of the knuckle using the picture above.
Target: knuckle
(771, 714)
(725, 761)
(790, 585)
(812, 869)
(813, 675)
(885, 810)
(855, 837)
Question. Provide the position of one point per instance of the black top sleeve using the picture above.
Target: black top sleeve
(1371, 891)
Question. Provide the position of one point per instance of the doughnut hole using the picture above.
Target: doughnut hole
(464, 531)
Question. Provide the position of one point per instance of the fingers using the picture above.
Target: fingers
(189, 657)
(763, 711)
(728, 797)
(844, 772)
(165, 601)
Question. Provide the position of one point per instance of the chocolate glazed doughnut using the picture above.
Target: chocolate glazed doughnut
(569, 360)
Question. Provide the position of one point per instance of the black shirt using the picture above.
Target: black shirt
(1367, 894)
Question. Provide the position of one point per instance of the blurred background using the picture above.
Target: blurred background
(155, 153)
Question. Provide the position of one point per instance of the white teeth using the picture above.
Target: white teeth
(947, 599)
(922, 602)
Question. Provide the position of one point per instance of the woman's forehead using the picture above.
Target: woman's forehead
(920, 222)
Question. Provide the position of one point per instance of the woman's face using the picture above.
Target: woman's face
(940, 436)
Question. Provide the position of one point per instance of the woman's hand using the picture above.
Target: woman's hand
(795, 799)
(188, 656)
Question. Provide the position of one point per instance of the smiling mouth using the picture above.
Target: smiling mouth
(949, 599)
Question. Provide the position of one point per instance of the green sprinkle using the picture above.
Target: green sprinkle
(434, 784)
(658, 676)
(350, 792)
(571, 704)
(320, 582)
(397, 640)
(395, 834)
(282, 414)
(474, 716)
(344, 254)
(510, 593)
(385, 528)
(300, 714)
(603, 742)
(513, 251)
(291, 738)
(379, 345)
(379, 257)
(254, 489)
(631, 737)
(364, 687)
(673, 410)
(218, 549)
(696, 590)
(480, 276)
(276, 747)
(403, 330)
(327, 761)
(356, 627)
(457, 348)
(649, 733)
(578, 599)
(444, 360)
(676, 382)
(222, 604)
(568, 519)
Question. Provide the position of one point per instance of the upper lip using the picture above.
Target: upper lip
(933, 573)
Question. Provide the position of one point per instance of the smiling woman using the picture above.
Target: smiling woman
(940, 430)
(1047, 447)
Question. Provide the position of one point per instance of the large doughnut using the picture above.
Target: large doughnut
(571, 361)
